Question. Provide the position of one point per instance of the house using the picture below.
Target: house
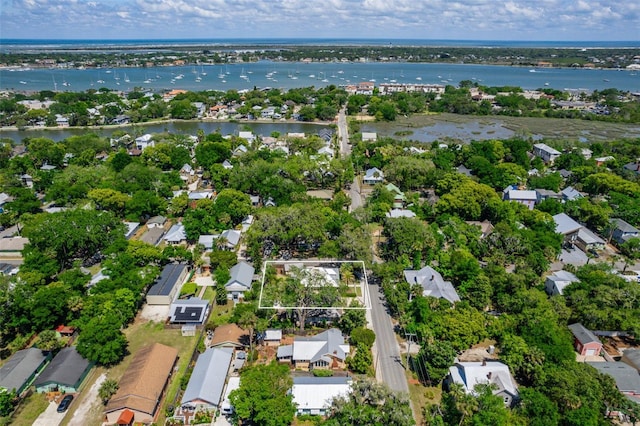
(321, 276)
(164, 291)
(545, 152)
(153, 235)
(186, 171)
(398, 196)
(231, 238)
(372, 176)
(229, 336)
(248, 136)
(189, 311)
(396, 213)
(272, 337)
(464, 170)
(633, 167)
(433, 285)
(327, 150)
(227, 165)
(131, 228)
(547, 194)
(632, 357)
(326, 350)
(570, 194)
(526, 198)
(626, 377)
(576, 234)
(470, 374)
(270, 203)
(602, 160)
(156, 222)
(313, 395)
(176, 234)
(143, 384)
(204, 390)
(486, 227)
(144, 141)
(65, 373)
(240, 281)
(21, 369)
(207, 241)
(622, 231)
(556, 282)
(27, 180)
(369, 136)
(12, 246)
(585, 342)
(240, 150)
(589, 241)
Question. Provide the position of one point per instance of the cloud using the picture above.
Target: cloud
(435, 19)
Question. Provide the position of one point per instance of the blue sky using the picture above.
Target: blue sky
(562, 20)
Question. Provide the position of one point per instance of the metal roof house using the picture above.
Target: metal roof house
(586, 343)
(545, 152)
(433, 285)
(206, 384)
(176, 234)
(21, 368)
(470, 374)
(313, 395)
(240, 281)
(143, 383)
(373, 175)
(556, 282)
(526, 198)
(623, 231)
(325, 350)
(65, 373)
(189, 311)
(164, 290)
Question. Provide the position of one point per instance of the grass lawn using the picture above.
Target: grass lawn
(421, 395)
(221, 313)
(141, 334)
(209, 293)
(29, 410)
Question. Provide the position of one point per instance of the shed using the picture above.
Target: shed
(585, 342)
(65, 373)
(164, 290)
(272, 337)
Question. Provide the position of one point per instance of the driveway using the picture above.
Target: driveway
(50, 417)
(89, 400)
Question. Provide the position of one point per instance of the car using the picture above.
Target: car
(64, 404)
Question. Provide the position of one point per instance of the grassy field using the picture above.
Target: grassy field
(549, 128)
(141, 334)
(29, 410)
(421, 396)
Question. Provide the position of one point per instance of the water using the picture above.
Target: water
(287, 75)
(189, 127)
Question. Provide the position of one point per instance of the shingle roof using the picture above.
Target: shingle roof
(469, 374)
(208, 377)
(626, 377)
(67, 368)
(15, 372)
(176, 234)
(330, 342)
(583, 335)
(144, 380)
(229, 333)
(624, 226)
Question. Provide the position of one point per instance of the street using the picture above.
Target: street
(343, 133)
(387, 361)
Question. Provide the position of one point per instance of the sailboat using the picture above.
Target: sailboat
(243, 75)
(202, 70)
(126, 78)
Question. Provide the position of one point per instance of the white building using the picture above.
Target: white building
(313, 395)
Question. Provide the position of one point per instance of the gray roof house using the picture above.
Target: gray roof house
(325, 350)
(556, 282)
(232, 236)
(396, 213)
(166, 286)
(373, 175)
(189, 311)
(207, 380)
(21, 368)
(240, 281)
(623, 231)
(433, 285)
(626, 377)
(570, 194)
(207, 241)
(633, 167)
(65, 373)
(176, 234)
(632, 357)
(470, 374)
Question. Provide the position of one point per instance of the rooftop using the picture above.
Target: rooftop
(208, 377)
(168, 279)
(583, 335)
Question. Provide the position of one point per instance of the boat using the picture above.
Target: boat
(419, 78)
(605, 79)
(202, 70)
(546, 83)
(23, 82)
(532, 70)
(126, 78)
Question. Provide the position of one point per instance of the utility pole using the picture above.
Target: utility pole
(409, 337)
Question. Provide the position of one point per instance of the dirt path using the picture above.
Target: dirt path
(88, 402)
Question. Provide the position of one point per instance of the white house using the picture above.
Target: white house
(240, 281)
(526, 198)
(556, 282)
(369, 136)
(372, 176)
(545, 152)
(470, 374)
(144, 141)
(313, 395)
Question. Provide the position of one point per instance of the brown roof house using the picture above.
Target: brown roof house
(229, 336)
(143, 384)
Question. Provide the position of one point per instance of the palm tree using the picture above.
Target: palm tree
(248, 321)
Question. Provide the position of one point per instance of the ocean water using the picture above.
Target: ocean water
(289, 75)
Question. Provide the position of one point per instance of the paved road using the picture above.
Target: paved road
(354, 194)
(387, 360)
(343, 133)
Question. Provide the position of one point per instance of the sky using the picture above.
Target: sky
(535, 20)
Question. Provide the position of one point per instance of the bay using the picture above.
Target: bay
(286, 75)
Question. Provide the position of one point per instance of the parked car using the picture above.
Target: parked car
(64, 404)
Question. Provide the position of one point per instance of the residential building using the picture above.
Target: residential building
(240, 281)
(204, 390)
(396, 213)
(526, 198)
(433, 285)
(65, 373)
(372, 176)
(143, 384)
(570, 194)
(156, 222)
(227, 165)
(240, 150)
(164, 291)
(272, 337)
(470, 374)
(229, 336)
(248, 136)
(626, 377)
(131, 228)
(622, 231)
(633, 167)
(369, 136)
(545, 152)
(485, 226)
(576, 234)
(632, 357)
(313, 395)
(231, 238)
(585, 342)
(398, 196)
(21, 369)
(558, 281)
(144, 142)
(546, 194)
(176, 235)
(207, 241)
(326, 350)
(189, 311)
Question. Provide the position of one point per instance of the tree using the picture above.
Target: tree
(222, 276)
(48, 341)
(107, 389)
(363, 336)
(362, 361)
(370, 403)
(182, 109)
(102, 341)
(248, 321)
(263, 398)
(436, 358)
(352, 318)
(8, 401)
